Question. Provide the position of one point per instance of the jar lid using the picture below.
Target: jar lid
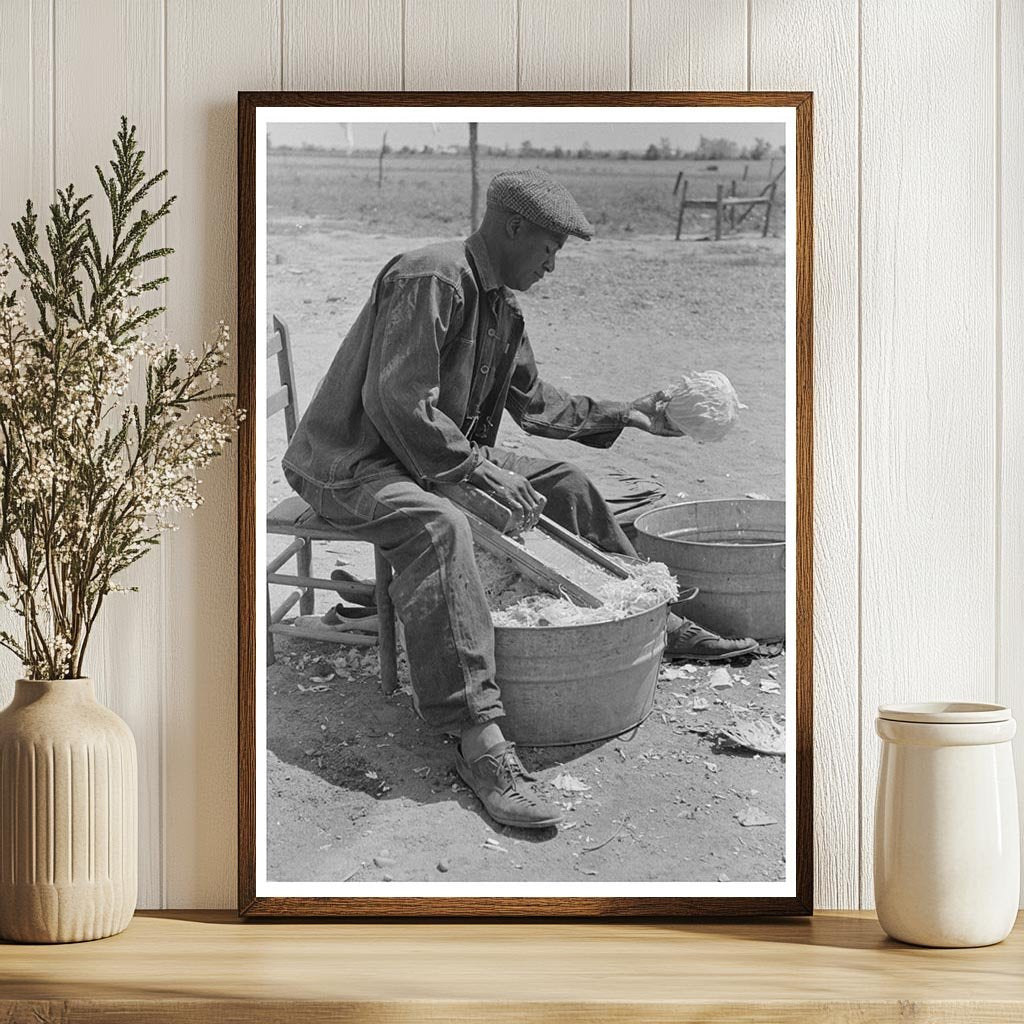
(945, 713)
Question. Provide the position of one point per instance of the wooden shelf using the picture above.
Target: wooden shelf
(197, 967)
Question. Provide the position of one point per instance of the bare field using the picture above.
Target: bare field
(357, 786)
(429, 195)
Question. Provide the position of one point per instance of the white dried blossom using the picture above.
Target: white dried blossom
(87, 483)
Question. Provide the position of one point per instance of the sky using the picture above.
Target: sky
(367, 135)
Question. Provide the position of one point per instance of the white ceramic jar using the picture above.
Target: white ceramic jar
(947, 846)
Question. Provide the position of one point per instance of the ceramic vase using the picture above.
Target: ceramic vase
(68, 815)
(947, 846)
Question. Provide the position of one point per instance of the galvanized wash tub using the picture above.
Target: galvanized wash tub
(575, 684)
(734, 550)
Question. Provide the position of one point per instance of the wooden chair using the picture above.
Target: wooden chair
(294, 518)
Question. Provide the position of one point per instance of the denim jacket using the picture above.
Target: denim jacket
(422, 377)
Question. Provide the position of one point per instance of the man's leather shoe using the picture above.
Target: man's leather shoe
(507, 790)
(347, 577)
(690, 642)
(362, 619)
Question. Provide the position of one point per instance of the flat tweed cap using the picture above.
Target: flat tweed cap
(541, 200)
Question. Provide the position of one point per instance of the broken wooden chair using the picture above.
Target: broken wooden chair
(294, 518)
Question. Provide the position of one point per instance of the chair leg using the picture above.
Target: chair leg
(387, 649)
(305, 563)
(271, 657)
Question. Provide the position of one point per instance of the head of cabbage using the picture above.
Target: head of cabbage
(703, 404)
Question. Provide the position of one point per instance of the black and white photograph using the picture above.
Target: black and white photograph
(525, 485)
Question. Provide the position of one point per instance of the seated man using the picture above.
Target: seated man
(413, 398)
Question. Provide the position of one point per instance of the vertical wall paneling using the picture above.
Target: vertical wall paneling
(689, 44)
(1010, 215)
(26, 108)
(928, 363)
(213, 51)
(16, 113)
(125, 655)
(342, 44)
(469, 45)
(930, 200)
(780, 59)
(26, 129)
(574, 44)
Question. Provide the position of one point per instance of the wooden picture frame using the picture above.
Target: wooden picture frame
(252, 343)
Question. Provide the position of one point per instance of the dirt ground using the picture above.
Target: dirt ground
(358, 788)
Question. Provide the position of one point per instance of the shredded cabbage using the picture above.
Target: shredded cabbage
(515, 600)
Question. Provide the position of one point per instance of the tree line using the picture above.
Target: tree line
(708, 149)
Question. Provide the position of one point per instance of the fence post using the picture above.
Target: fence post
(732, 209)
(718, 213)
(380, 160)
(682, 207)
(768, 211)
(474, 179)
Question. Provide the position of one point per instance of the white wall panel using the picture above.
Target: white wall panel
(469, 45)
(213, 51)
(1010, 226)
(928, 410)
(26, 108)
(689, 44)
(342, 44)
(123, 659)
(919, 229)
(780, 59)
(26, 169)
(574, 44)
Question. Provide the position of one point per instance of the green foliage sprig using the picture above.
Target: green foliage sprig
(89, 476)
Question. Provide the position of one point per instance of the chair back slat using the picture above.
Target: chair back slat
(277, 401)
(280, 345)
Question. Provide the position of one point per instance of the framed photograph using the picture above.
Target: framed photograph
(525, 504)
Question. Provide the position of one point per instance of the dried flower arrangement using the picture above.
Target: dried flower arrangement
(90, 477)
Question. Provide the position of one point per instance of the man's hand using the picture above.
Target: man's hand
(648, 413)
(510, 489)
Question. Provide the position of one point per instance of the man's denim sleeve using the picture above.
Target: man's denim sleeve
(548, 411)
(403, 379)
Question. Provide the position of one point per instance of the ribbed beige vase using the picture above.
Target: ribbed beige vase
(68, 815)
